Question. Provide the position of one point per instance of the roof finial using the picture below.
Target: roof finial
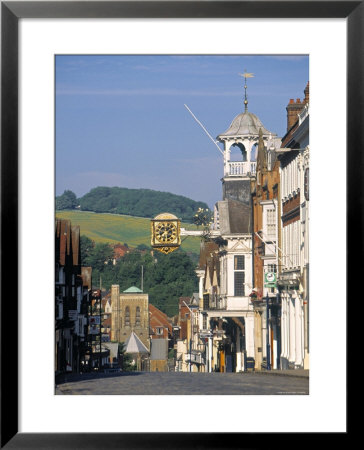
(246, 75)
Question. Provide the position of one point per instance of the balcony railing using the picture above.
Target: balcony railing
(239, 168)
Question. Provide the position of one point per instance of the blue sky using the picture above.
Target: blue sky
(121, 120)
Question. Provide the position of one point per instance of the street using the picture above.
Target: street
(182, 383)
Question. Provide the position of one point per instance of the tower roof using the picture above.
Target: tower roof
(134, 345)
(245, 123)
(133, 289)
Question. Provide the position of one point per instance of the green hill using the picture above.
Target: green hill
(115, 228)
(132, 202)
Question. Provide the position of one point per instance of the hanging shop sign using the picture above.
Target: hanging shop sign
(270, 279)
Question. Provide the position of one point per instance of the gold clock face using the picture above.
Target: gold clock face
(165, 232)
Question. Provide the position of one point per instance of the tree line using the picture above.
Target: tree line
(165, 277)
(133, 202)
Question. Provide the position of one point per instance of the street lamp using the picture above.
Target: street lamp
(190, 334)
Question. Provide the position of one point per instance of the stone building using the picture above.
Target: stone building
(130, 313)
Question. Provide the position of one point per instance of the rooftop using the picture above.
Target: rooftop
(245, 123)
(134, 345)
(133, 289)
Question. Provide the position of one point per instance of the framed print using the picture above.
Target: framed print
(27, 183)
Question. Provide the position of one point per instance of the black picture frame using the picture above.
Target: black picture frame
(11, 12)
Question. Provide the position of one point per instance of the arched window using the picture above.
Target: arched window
(253, 154)
(127, 317)
(238, 153)
(137, 317)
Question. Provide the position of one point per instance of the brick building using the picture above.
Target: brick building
(119, 251)
(160, 325)
(266, 213)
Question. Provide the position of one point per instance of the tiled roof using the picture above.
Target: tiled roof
(183, 300)
(235, 217)
(206, 249)
(158, 318)
(67, 242)
(63, 239)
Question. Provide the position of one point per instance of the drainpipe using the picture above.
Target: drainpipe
(267, 331)
(279, 329)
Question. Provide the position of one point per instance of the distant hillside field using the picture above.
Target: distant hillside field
(115, 228)
(132, 202)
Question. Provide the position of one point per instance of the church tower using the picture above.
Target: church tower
(240, 151)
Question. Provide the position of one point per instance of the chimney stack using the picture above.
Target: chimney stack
(295, 107)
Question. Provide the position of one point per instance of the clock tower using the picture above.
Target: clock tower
(240, 146)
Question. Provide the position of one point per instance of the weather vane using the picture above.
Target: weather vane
(246, 75)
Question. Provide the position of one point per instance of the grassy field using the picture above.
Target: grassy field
(115, 228)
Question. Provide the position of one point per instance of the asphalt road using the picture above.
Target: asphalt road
(181, 383)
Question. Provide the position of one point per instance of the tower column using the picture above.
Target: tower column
(248, 147)
(227, 153)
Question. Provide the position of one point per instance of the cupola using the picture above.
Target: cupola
(243, 136)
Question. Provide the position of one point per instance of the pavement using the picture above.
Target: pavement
(73, 377)
(184, 383)
(288, 373)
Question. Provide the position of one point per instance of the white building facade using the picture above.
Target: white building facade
(227, 311)
(293, 278)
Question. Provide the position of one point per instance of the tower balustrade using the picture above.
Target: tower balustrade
(239, 168)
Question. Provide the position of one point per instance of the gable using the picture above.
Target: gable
(240, 244)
